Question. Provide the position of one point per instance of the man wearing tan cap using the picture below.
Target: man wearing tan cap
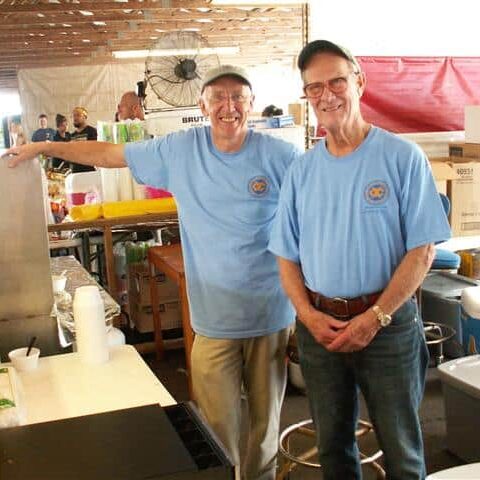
(226, 180)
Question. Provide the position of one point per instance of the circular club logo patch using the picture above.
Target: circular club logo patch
(376, 192)
(258, 186)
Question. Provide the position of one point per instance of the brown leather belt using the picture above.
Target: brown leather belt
(343, 308)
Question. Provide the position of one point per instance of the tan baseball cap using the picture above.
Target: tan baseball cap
(225, 71)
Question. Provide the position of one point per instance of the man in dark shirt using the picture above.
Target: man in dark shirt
(82, 132)
(61, 135)
(43, 133)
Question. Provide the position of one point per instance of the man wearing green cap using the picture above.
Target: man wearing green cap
(354, 233)
(226, 180)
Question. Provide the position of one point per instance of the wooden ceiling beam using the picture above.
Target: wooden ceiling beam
(96, 6)
(75, 17)
(146, 29)
(114, 41)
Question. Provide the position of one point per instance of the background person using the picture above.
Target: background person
(61, 135)
(130, 107)
(43, 133)
(83, 132)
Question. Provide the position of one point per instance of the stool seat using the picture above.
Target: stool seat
(436, 335)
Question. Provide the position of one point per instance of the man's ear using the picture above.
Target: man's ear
(252, 100)
(362, 83)
(202, 106)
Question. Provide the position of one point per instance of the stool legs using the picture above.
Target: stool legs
(305, 428)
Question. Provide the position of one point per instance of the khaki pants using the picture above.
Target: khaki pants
(219, 368)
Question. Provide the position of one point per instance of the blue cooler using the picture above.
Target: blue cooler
(471, 320)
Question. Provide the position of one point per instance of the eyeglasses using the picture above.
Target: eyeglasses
(237, 98)
(335, 85)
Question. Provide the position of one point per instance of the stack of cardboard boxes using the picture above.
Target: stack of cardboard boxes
(140, 305)
(464, 189)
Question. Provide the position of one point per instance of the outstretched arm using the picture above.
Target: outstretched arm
(99, 154)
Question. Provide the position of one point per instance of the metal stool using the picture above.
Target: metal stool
(306, 429)
(436, 334)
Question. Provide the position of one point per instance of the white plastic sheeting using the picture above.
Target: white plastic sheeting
(98, 88)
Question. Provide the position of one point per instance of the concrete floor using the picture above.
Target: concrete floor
(171, 372)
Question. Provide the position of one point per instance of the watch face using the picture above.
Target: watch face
(385, 320)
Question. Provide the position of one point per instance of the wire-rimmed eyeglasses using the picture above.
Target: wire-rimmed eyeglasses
(237, 98)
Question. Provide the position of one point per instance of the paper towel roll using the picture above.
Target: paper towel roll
(125, 186)
(138, 190)
(109, 177)
(90, 328)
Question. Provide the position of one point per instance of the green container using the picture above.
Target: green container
(107, 131)
(136, 132)
(120, 132)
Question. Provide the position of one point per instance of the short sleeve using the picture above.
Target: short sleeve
(150, 161)
(284, 236)
(424, 219)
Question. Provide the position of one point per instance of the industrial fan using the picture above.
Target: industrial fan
(175, 67)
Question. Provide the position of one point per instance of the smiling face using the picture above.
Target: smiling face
(227, 102)
(341, 110)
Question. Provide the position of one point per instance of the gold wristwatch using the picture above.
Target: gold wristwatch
(383, 318)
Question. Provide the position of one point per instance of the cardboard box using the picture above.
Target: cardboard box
(462, 150)
(297, 110)
(464, 194)
(170, 317)
(139, 286)
(442, 171)
(472, 124)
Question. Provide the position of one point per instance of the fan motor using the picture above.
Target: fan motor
(186, 69)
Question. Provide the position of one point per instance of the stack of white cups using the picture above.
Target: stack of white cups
(90, 327)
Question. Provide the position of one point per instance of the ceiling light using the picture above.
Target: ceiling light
(175, 52)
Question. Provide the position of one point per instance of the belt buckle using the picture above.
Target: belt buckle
(343, 301)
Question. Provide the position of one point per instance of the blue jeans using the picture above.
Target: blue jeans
(390, 373)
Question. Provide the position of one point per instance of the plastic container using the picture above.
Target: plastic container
(461, 391)
(83, 187)
(151, 192)
(471, 320)
(21, 362)
(58, 283)
(90, 328)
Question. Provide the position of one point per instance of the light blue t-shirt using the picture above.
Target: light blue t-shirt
(349, 221)
(226, 205)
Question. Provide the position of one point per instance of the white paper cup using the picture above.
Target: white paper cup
(58, 283)
(21, 362)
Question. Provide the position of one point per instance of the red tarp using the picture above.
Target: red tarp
(419, 94)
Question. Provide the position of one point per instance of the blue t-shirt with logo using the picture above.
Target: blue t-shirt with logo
(349, 221)
(226, 205)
